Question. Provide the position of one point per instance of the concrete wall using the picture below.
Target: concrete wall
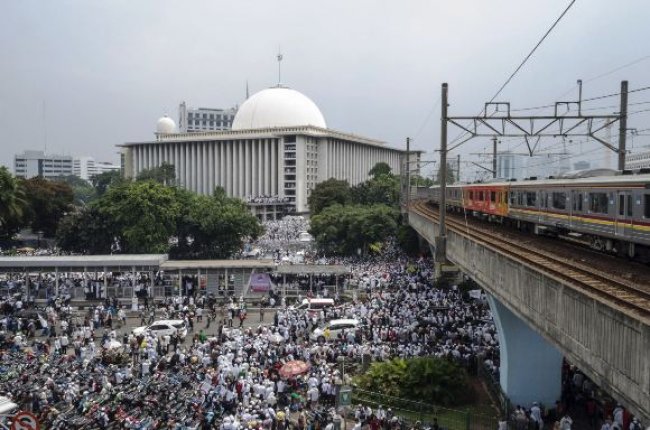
(612, 348)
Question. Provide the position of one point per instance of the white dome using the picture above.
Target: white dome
(165, 125)
(277, 107)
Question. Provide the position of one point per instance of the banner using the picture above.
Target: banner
(259, 282)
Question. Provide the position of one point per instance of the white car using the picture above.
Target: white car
(163, 328)
(335, 327)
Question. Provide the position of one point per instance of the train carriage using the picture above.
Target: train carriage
(612, 213)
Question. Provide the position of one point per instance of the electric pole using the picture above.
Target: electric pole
(622, 127)
(441, 240)
(494, 156)
(408, 172)
(458, 168)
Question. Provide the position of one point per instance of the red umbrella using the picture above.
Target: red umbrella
(293, 368)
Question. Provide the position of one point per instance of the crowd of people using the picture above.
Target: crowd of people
(264, 199)
(91, 370)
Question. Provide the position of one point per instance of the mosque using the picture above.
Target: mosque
(278, 149)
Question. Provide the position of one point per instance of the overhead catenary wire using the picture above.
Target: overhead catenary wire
(524, 61)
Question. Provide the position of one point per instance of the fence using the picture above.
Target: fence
(411, 411)
(494, 387)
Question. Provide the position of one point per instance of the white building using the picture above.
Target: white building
(37, 163)
(510, 165)
(204, 119)
(86, 167)
(279, 148)
(637, 160)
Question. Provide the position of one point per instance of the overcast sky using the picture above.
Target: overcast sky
(106, 70)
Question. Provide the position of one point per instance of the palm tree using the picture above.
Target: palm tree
(12, 202)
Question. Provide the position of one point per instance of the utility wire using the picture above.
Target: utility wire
(532, 51)
(530, 54)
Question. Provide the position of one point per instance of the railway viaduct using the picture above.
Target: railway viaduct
(540, 319)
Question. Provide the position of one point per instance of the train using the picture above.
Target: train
(608, 210)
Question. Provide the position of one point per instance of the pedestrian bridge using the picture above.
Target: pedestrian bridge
(540, 319)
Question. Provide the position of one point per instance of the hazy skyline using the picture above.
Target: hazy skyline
(106, 71)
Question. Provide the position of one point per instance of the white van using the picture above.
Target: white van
(334, 327)
(313, 306)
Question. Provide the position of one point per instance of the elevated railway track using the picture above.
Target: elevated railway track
(629, 291)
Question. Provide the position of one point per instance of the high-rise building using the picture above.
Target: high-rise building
(581, 165)
(510, 165)
(204, 119)
(278, 149)
(37, 163)
(86, 167)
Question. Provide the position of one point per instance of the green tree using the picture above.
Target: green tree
(145, 214)
(83, 191)
(407, 238)
(48, 202)
(86, 231)
(13, 204)
(327, 193)
(382, 189)
(431, 380)
(450, 176)
(380, 169)
(346, 229)
(164, 174)
(421, 181)
(103, 181)
(214, 226)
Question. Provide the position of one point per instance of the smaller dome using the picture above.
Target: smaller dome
(165, 125)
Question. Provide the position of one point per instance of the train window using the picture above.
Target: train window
(520, 198)
(559, 200)
(493, 196)
(646, 205)
(598, 203)
(480, 195)
(513, 197)
(471, 195)
(531, 198)
(629, 205)
(577, 202)
(621, 204)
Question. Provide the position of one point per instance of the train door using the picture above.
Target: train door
(623, 218)
(575, 208)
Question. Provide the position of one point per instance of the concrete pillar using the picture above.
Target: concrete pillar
(531, 368)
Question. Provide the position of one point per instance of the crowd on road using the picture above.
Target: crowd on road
(87, 370)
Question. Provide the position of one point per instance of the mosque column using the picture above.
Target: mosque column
(195, 167)
(211, 167)
(206, 171)
(260, 166)
(247, 170)
(229, 163)
(243, 174)
(187, 164)
(222, 164)
(198, 171)
(274, 167)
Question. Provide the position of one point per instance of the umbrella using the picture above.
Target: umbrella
(293, 368)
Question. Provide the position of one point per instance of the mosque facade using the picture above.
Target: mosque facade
(278, 149)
